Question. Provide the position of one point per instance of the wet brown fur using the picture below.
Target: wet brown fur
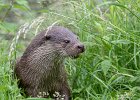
(41, 68)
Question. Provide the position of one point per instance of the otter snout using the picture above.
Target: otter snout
(81, 48)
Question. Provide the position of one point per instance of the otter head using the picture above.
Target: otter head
(64, 41)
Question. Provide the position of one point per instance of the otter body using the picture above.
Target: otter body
(40, 70)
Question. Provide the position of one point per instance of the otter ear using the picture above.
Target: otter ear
(47, 37)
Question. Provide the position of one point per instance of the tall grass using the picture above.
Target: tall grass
(110, 67)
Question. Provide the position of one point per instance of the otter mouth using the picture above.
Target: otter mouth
(75, 56)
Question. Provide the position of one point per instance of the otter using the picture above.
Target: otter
(40, 70)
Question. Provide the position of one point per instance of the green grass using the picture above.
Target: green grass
(110, 67)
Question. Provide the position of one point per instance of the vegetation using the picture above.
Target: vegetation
(110, 67)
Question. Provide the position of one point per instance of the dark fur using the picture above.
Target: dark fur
(41, 67)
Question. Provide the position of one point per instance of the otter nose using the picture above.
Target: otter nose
(81, 47)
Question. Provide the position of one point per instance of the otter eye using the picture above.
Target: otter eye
(67, 41)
